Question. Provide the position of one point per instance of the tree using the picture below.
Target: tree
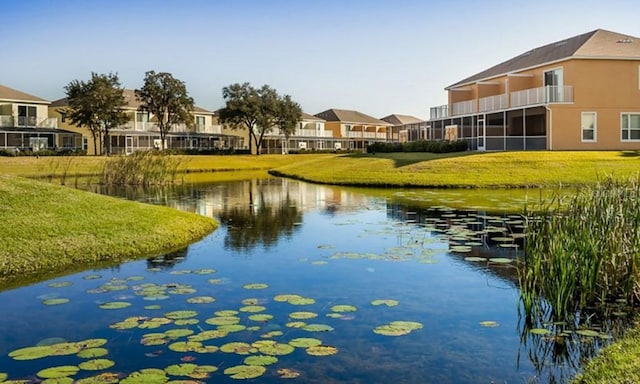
(258, 111)
(289, 114)
(98, 105)
(165, 97)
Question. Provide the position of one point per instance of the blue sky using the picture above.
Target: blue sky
(378, 57)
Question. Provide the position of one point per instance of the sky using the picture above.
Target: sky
(377, 57)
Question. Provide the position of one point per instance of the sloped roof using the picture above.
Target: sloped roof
(308, 117)
(595, 44)
(396, 119)
(349, 116)
(132, 102)
(10, 94)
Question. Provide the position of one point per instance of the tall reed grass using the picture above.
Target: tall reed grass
(583, 251)
(143, 168)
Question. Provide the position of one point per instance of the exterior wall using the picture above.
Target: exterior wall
(606, 87)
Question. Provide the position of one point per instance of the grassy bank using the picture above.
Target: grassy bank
(618, 363)
(465, 170)
(47, 229)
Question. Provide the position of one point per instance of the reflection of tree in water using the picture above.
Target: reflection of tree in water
(250, 226)
(168, 260)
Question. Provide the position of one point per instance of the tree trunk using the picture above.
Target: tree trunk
(95, 143)
(107, 141)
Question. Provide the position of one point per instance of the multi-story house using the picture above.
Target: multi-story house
(310, 134)
(26, 125)
(581, 93)
(406, 128)
(141, 131)
(355, 130)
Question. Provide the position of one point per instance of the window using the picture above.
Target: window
(630, 127)
(589, 126)
(26, 116)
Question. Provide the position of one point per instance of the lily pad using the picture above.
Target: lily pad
(250, 301)
(261, 317)
(56, 301)
(201, 300)
(245, 371)
(154, 306)
(208, 335)
(179, 332)
(500, 260)
(180, 314)
(588, 333)
(32, 353)
(232, 327)
(60, 284)
(411, 325)
(90, 353)
(96, 364)
(489, 324)
(388, 330)
(55, 372)
(302, 301)
(276, 349)
(222, 320)
(288, 373)
(302, 315)
(322, 350)
(305, 342)
(115, 305)
(260, 360)
(540, 331)
(182, 322)
(180, 369)
(103, 378)
(286, 297)
(146, 376)
(317, 328)
(253, 308)
(475, 259)
(343, 308)
(387, 302)
(295, 324)
(238, 347)
(226, 312)
(185, 346)
(255, 286)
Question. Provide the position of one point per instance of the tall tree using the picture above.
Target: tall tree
(257, 110)
(98, 105)
(288, 116)
(165, 97)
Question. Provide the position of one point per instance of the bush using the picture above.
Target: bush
(44, 152)
(433, 146)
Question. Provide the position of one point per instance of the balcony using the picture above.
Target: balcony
(28, 121)
(542, 95)
(367, 135)
(524, 98)
(301, 133)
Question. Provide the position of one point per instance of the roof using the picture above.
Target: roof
(595, 44)
(130, 98)
(348, 116)
(396, 119)
(308, 117)
(11, 94)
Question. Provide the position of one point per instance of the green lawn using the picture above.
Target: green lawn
(618, 363)
(465, 170)
(48, 230)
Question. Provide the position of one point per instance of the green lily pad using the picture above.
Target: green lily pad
(232, 327)
(151, 307)
(103, 378)
(250, 301)
(3, 376)
(146, 376)
(185, 346)
(92, 277)
(180, 314)
(500, 260)
(288, 373)
(271, 334)
(411, 325)
(489, 324)
(222, 320)
(253, 308)
(180, 369)
(388, 330)
(302, 315)
(182, 322)
(260, 360)
(322, 350)
(475, 259)
(319, 262)
(588, 333)
(261, 317)
(305, 342)
(204, 271)
(239, 348)
(180, 332)
(539, 331)
(96, 364)
(155, 322)
(343, 308)
(255, 286)
(208, 335)
(57, 380)
(276, 349)
(90, 353)
(245, 371)
(201, 300)
(317, 328)
(60, 284)
(226, 313)
(387, 302)
(302, 301)
(32, 353)
(115, 305)
(286, 297)
(295, 324)
(55, 372)
(57, 301)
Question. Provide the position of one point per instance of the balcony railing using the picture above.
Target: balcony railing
(543, 95)
(28, 121)
(464, 107)
(493, 103)
(301, 133)
(147, 126)
(366, 135)
(439, 112)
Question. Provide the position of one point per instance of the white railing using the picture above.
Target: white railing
(28, 121)
(301, 133)
(464, 107)
(439, 112)
(366, 135)
(543, 95)
(493, 103)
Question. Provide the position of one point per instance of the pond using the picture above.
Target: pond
(309, 283)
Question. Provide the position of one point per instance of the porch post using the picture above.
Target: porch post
(524, 129)
(504, 130)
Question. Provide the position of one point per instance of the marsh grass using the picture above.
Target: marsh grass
(583, 251)
(143, 168)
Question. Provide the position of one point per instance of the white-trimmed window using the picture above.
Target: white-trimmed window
(630, 127)
(589, 125)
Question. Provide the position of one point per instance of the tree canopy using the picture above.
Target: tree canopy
(259, 111)
(165, 97)
(97, 104)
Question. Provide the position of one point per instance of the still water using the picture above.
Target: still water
(395, 289)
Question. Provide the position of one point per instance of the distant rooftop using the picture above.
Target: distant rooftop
(10, 94)
(396, 119)
(349, 116)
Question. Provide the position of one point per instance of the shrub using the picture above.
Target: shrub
(433, 146)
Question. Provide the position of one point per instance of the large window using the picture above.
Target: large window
(589, 126)
(630, 127)
(26, 116)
